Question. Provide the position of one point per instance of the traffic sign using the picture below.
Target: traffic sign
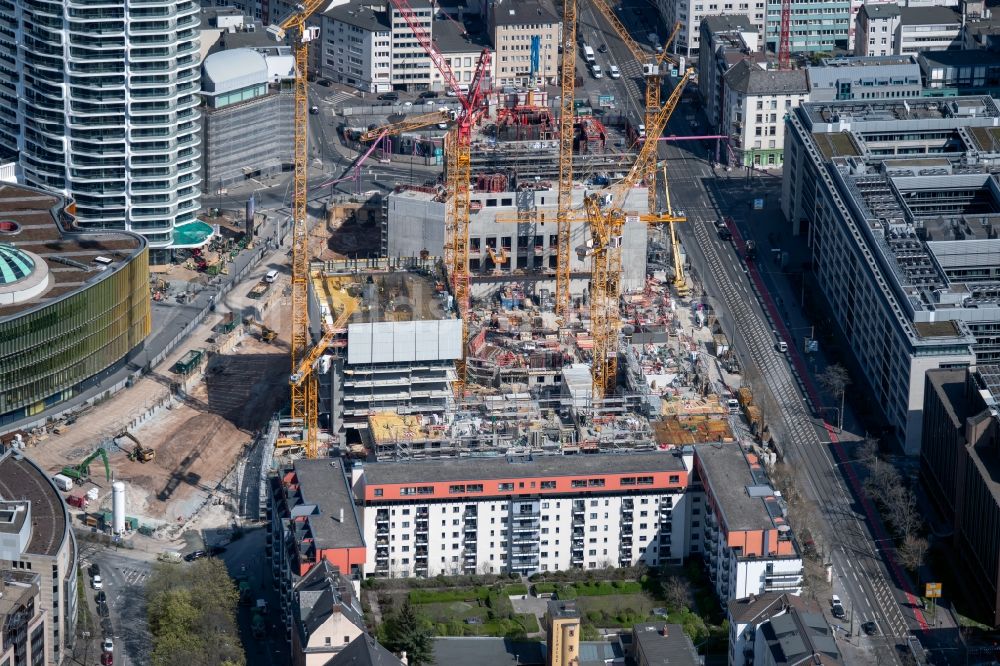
(933, 591)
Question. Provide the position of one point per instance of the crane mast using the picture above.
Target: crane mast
(304, 395)
(565, 199)
(651, 70)
(459, 162)
(606, 224)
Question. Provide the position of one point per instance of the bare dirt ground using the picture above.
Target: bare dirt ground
(197, 440)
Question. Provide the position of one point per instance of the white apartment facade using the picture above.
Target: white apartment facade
(876, 28)
(748, 547)
(755, 102)
(411, 66)
(100, 104)
(549, 513)
(355, 48)
(454, 516)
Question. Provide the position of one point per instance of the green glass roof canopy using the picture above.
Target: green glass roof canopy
(14, 264)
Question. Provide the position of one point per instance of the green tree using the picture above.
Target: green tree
(407, 632)
(192, 616)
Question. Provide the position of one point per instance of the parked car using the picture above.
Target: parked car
(325, 82)
(195, 555)
(838, 612)
(389, 97)
(428, 94)
(98, 583)
(614, 72)
(108, 645)
(94, 569)
(101, 597)
(103, 611)
(108, 659)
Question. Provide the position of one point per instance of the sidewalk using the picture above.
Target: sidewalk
(779, 256)
(168, 322)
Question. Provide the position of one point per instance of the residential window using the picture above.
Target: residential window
(578, 483)
(628, 481)
(505, 486)
(645, 480)
(456, 489)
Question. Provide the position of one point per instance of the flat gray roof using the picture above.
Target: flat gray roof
(665, 644)
(474, 469)
(362, 17)
(488, 651)
(523, 12)
(728, 23)
(928, 15)
(323, 484)
(728, 477)
(451, 39)
(21, 479)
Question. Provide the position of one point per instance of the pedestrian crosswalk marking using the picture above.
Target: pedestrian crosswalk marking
(134, 576)
(337, 97)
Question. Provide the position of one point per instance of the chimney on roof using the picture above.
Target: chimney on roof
(341, 514)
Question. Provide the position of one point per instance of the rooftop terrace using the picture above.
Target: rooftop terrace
(33, 221)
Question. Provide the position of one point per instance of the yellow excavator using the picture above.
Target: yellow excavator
(266, 334)
(143, 454)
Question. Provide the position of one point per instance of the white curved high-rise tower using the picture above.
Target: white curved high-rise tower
(98, 99)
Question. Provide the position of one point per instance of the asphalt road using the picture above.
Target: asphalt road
(869, 590)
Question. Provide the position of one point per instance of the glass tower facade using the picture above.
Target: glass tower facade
(49, 353)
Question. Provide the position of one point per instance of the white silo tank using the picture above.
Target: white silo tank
(118, 507)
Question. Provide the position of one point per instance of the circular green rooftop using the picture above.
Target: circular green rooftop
(14, 264)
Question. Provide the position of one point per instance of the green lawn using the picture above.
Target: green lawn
(615, 610)
(465, 615)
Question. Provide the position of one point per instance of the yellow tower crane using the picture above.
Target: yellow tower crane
(652, 71)
(606, 223)
(565, 198)
(304, 394)
(459, 168)
(410, 124)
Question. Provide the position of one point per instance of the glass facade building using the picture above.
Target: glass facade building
(83, 327)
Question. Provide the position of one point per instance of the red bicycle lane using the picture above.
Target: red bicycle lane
(881, 534)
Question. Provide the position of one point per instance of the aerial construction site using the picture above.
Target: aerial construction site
(534, 300)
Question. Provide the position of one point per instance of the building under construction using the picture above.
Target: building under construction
(398, 337)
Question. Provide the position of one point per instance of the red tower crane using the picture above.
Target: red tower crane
(784, 43)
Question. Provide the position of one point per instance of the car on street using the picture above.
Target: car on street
(102, 610)
(723, 229)
(595, 71)
(195, 555)
(108, 659)
(614, 72)
(838, 612)
(94, 569)
(603, 48)
(108, 644)
(325, 83)
(101, 597)
(98, 583)
(314, 110)
(870, 628)
(428, 94)
(389, 97)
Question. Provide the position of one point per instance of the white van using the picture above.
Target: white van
(588, 55)
(63, 482)
(271, 276)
